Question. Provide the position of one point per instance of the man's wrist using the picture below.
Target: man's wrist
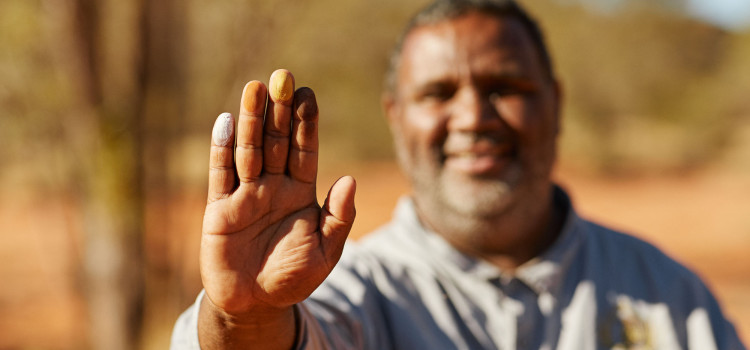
(262, 327)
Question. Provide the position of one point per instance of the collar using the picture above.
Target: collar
(542, 274)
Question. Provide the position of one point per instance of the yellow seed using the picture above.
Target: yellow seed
(281, 86)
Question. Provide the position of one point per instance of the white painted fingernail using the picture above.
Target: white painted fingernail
(223, 127)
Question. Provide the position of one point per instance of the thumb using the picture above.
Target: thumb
(337, 217)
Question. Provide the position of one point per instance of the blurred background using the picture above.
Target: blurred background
(107, 107)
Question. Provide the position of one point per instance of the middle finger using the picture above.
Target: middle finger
(277, 124)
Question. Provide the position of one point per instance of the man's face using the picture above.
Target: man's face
(474, 116)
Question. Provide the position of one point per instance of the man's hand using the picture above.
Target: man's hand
(266, 243)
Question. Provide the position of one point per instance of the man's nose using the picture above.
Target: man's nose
(474, 111)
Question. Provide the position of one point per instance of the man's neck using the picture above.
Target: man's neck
(507, 240)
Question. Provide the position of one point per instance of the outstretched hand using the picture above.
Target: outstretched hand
(266, 242)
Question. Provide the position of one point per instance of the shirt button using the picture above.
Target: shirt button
(546, 303)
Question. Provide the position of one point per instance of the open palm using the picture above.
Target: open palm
(266, 242)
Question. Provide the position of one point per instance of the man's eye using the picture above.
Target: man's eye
(441, 95)
(507, 91)
(519, 88)
(437, 94)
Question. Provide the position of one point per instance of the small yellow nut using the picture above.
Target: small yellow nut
(281, 86)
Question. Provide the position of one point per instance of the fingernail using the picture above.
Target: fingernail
(254, 97)
(281, 86)
(222, 133)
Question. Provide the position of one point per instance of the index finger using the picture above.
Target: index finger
(250, 132)
(276, 126)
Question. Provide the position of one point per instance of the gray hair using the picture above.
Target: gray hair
(442, 10)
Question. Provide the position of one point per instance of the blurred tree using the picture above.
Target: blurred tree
(628, 76)
(108, 58)
(162, 122)
(125, 61)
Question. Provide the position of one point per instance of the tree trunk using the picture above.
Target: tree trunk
(108, 70)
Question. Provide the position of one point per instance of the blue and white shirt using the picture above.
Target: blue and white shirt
(404, 287)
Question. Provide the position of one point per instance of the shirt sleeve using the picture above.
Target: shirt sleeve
(310, 336)
(707, 327)
(185, 332)
(343, 313)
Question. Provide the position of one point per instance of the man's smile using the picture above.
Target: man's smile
(481, 158)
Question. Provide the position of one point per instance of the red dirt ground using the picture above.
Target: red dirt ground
(700, 219)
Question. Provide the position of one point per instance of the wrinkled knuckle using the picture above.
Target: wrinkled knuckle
(248, 146)
(306, 150)
(275, 134)
(274, 169)
(248, 178)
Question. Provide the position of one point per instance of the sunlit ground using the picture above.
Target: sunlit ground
(699, 218)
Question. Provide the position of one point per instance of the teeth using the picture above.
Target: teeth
(470, 155)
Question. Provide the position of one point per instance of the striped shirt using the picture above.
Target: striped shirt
(404, 287)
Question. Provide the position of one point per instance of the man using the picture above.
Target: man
(487, 253)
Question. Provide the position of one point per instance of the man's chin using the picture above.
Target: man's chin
(476, 197)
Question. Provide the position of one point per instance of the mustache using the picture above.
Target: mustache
(478, 142)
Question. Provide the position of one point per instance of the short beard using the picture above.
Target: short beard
(465, 203)
(474, 197)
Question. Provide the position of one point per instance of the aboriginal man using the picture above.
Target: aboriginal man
(486, 253)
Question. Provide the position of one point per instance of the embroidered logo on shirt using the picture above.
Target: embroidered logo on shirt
(626, 328)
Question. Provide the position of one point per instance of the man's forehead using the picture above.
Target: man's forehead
(472, 38)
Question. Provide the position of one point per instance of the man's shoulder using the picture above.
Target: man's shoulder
(630, 256)
(619, 242)
(651, 281)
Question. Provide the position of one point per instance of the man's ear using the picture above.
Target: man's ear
(390, 109)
